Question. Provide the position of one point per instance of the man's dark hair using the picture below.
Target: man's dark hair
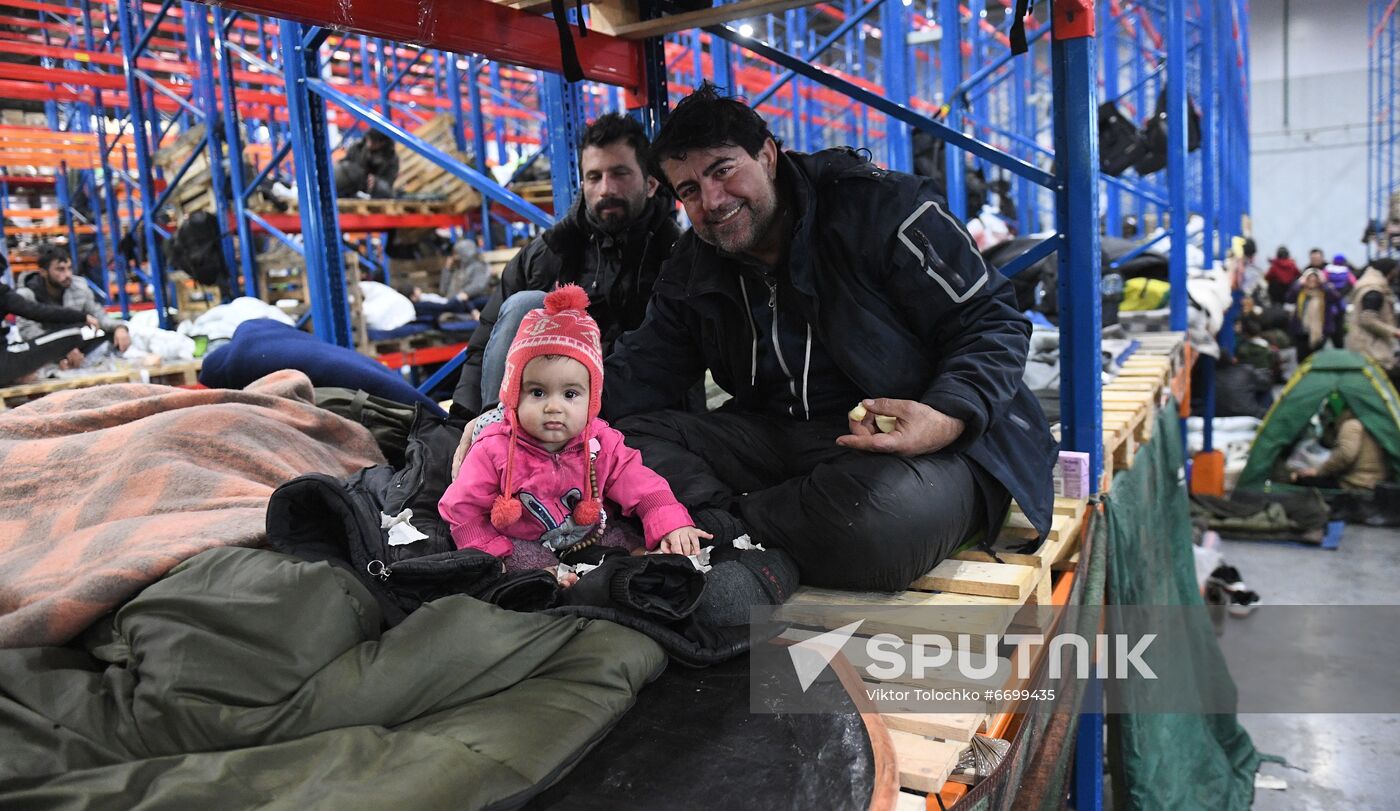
(610, 128)
(1281, 253)
(706, 119)
(378, 141)
(1385, 264)
(1250, 248)
(48, 254)
(1317, 250)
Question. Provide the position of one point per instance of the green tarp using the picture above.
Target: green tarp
(1172, 762)
(1362, 384)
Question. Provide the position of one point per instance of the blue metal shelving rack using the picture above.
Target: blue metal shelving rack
(1383, 131)
(860, 72)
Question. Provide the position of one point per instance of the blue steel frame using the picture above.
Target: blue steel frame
(1383, 132)
(310, 150)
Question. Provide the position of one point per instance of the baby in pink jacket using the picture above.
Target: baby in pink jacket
(544, 473)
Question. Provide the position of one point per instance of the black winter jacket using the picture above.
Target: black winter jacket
(894, 289)
(625, 272)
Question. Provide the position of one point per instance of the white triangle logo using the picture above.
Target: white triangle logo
(810, 657)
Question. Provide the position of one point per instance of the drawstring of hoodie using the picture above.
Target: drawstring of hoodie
(806, 367)
(753, 331)
(778, 350)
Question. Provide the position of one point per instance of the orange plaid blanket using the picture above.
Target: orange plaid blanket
(103, 490)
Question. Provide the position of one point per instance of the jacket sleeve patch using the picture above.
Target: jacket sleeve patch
(959, 283)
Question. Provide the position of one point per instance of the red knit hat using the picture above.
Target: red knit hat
(563, 327)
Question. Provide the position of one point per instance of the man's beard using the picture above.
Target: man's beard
(613, 214)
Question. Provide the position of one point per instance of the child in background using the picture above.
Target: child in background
(539, 478)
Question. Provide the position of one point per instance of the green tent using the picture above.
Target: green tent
(1361, 384)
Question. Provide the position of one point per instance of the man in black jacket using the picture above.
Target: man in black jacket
(61, 345)
(611, 243)
(811, 283)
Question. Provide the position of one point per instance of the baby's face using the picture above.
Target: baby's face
(553, 400)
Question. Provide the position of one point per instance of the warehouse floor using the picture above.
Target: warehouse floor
(1347, 758)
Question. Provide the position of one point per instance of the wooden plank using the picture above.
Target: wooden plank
(620, 18)
(1018, 527)
(976, 577)
(903, 614)
(1040, 596)
(924, 763)
(949, 726)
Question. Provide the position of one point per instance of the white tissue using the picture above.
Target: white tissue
(401, 532)
(743, 542)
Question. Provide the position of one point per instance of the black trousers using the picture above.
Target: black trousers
(19, 359)
(850, 519)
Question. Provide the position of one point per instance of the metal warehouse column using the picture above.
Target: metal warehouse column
(563, 108)
(137, 107)
(1177, 167)
(950, 68)
(894, 58)
(1077, 220)
(320, 224)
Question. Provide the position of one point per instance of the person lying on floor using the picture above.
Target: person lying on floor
(533, 486)
(811, 283)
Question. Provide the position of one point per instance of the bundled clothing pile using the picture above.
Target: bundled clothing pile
(144, 654)
(248, 679)
(382, 525)
(1251, 515)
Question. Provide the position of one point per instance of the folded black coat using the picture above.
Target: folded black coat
(321, 518)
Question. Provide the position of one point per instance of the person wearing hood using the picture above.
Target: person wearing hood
(811, 284)
(465, 274)
(1282, 274)
(1371, 323)
(611, 243)
(1340, 275)
(1315, 309)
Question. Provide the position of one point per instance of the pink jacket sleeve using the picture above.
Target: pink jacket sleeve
(466, 506)
(638, 490)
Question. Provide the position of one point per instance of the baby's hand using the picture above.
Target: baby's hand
(683, 541)
(565, 579)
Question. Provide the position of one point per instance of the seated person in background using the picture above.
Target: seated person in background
(533, 486)
(370, 167)
(611, 243)
(465, 274)
(1371, 327)
(1357, 461)
(53, 284)
(21, 359)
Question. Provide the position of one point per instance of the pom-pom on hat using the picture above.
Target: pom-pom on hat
(563, 327)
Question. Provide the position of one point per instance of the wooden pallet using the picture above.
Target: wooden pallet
(622, 18)
(535, 192)
(12, 396)
(173, 372)
(927, 745)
